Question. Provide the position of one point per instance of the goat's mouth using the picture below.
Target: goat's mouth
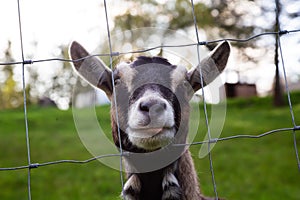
(151, 138)
(148, 132)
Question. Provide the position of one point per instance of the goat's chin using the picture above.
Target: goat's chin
(151, 138)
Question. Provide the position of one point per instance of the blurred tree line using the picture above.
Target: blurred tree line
(10, 95)
(219, 19)
(57, 89)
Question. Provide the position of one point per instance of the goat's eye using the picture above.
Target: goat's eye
(117, 81)
(186, 84)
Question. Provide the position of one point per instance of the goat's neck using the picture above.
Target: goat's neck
(158, 184)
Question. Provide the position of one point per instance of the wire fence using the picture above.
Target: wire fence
(294, 129)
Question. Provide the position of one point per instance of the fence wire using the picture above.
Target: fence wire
(25, 104)
(204, 105)
(114, 94)
(294, 129)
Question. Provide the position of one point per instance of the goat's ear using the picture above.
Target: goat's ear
(92, 69)
(211, 66)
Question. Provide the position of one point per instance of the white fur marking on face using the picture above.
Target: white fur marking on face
(177, 76)
(127, 72)
(159, 132)
(136, 117)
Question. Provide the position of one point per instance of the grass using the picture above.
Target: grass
(247, 169)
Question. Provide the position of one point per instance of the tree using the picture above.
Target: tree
(278, 96)
(219, 19)
(10, 96)
(282, 11)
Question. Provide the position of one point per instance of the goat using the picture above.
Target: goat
(152, 99)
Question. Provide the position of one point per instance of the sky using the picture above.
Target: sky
(48, 24)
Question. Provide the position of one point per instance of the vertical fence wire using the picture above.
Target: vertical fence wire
(289, 103)
(204, 104)
(279, 47)
(296, 148)
(25, 103)
(114, 93)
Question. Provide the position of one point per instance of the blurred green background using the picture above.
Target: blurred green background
(264, 168)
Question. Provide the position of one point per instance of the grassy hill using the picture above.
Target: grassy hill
(247, 169)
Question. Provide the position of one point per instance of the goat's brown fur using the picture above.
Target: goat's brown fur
(178, 180)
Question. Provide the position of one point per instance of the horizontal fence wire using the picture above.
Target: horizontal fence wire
(295, 129)
(36, 165)
(138, 51)
(125, 153)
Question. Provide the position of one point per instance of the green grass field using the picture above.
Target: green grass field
(247, 169)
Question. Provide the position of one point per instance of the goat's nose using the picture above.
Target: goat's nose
(152, 107)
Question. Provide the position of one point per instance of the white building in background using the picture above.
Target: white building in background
(90, 98)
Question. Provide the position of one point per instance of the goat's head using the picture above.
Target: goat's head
(152, 95)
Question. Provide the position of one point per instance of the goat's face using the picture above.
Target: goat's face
(151, 94)
(147, 100)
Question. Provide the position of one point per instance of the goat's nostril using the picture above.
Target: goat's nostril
(158, 108)
(153, 106)
(145, 106)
